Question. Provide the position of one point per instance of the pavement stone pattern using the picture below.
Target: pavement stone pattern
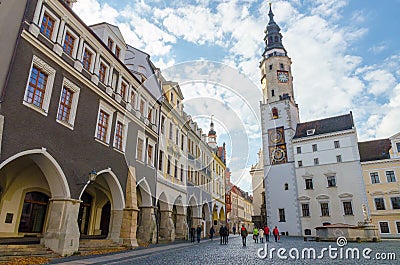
(211, 252)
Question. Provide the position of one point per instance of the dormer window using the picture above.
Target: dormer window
(310, 132)
(275, 114)
(110, 43)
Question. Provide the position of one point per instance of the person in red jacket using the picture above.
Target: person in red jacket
(276, 233)
(266, 233)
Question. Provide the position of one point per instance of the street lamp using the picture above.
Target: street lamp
(92, 178)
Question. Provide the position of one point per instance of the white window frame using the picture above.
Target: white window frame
(76, 43)
(395, 225)
(380, 231)
(370, 177)
(107, 71)
(144, 149)
(51, 73)
(125, 122)
(110, 111)
(153, 144)
(56, 23)
(384, 203)
(94, 54)
(72, 114)
(352, 208)
(310, 132)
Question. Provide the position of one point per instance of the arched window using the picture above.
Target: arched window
(275, 113)
(286, 186)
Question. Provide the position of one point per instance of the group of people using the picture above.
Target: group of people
(259, 234)
(195, 231)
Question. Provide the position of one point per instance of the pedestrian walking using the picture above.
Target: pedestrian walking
(266, 233)
(192, 234)
(226, 234)
(198, 231)
(276, 233)
(243, 233)
(255, 234)
(234, 230)
(221, 235)
(212, 232)
(261, 235)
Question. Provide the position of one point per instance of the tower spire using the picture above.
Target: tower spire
(273, 37)
(212, 135)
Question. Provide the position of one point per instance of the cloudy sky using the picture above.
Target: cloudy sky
(345, 54)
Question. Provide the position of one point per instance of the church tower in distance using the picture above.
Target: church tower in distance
(279, 117)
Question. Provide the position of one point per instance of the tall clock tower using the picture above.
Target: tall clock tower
(280, 115)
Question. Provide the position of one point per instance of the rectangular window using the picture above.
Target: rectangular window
(337, 144)
(379, 204)
(390, 176)
(324, 209)
(177, 137)
(348, 209)
(270, 67)
(171, 132)
(331, 181)
(119, 135)
(282, 217)
(272, 92)
(162, 124)
(117, 51)
(141, 107)
(176, 169)
(300, 163)
(316, 161)
(139, 149)
(150, 115)
(182, 141)
(169, 165)
(398, 227)
(314, 148)
(102, 126)
(374, 177)
(123, 90)
(150, 154)
(133, 99)
(395, 203)
(338, 158)
(87, 59)
(384, 227)
(69, 42)
(282, 66)
(36, 87)
(64, 108)
(172, 97)
(110, 43)
(181, 172)
(160, 161)
(47, 26)
(102, 72)
(305, 209)
(309, 184)
(298, 150)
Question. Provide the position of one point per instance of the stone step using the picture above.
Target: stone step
(8, 247)
(10, 258)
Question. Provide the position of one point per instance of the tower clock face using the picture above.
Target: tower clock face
(276, 136)
(278, 154)
(283, 77)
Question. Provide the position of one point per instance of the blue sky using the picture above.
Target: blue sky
(345, 54)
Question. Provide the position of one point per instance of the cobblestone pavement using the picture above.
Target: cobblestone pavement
(211, 252)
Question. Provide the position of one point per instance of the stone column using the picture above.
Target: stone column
(129, 214)
(62, 232)
(181, 226)
(147, 230)
(167, 229)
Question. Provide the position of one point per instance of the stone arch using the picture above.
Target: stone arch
(145, 192)
(118, 198)
(51, 170)
(163, 202)
(222, 218)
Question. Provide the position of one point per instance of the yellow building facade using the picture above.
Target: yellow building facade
(380, 162)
